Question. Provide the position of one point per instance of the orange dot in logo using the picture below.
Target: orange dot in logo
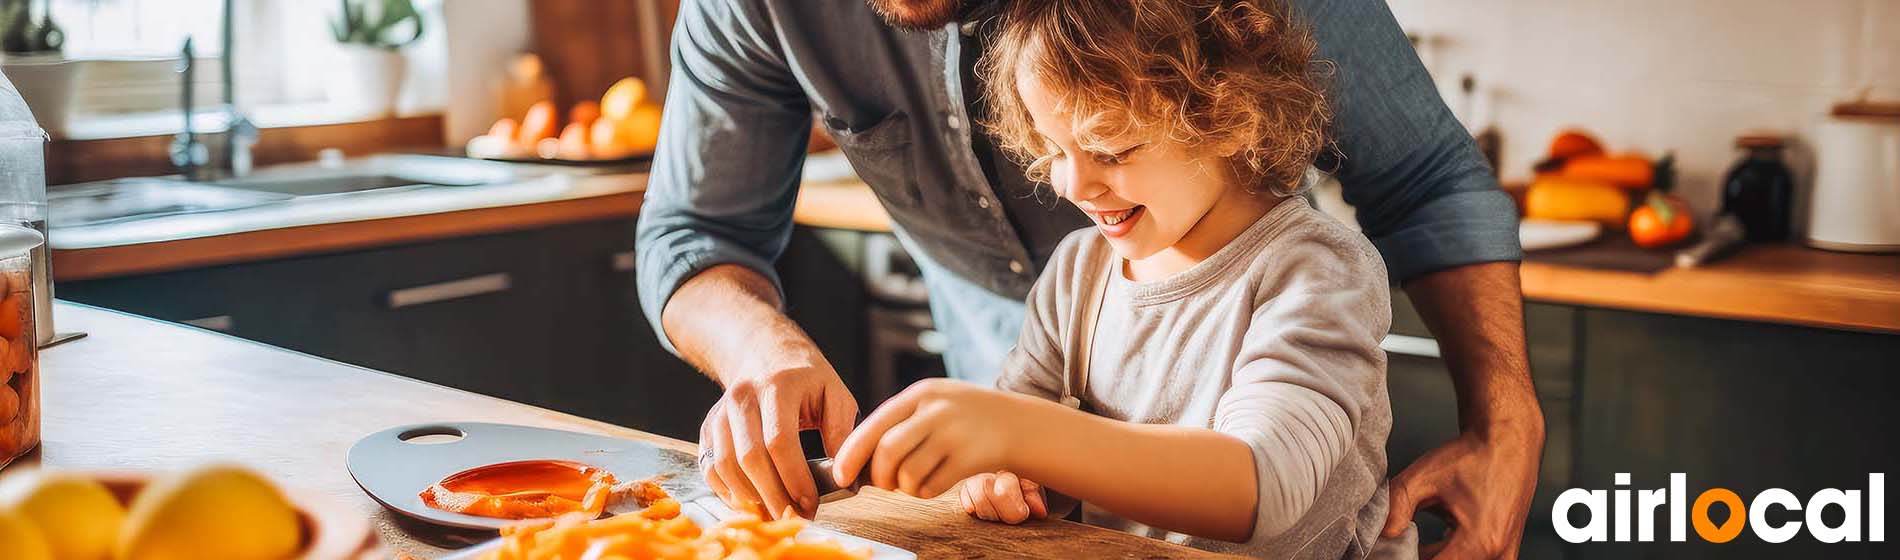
(1737, 515)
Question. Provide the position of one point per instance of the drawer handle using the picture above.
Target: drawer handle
(220, 323)
(450, 290)
(1410, 346)
(623, 261)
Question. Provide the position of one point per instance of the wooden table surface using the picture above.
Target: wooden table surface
(146, 395)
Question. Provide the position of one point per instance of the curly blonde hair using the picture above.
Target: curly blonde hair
(1231, 74)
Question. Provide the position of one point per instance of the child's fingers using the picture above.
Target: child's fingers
(1038, 503)
(1006, 494)
(977, 490)
(855, 454)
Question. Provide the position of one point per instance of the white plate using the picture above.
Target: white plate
(1552, 234)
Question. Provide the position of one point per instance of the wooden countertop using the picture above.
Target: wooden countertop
(146, 395)
(1777, 284)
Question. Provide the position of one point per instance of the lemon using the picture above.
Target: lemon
(20, 539)
(217, 511)
(622, 98)
(79, 516)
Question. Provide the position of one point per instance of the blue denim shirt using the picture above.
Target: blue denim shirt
(748, 76)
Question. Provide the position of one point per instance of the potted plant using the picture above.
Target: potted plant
(33, 62)
(371, 34)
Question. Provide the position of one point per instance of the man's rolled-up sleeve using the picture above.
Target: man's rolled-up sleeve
(1424, 194)
(732, 144)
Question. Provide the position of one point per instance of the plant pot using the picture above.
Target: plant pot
(367, 79)
(45, 82)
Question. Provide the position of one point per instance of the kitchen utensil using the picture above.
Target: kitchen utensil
(1536, 234)
(1716, 242)
(393, 465)
(1855, 205)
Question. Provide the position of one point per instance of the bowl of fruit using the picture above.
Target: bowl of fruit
(213, 511)
(623, 126)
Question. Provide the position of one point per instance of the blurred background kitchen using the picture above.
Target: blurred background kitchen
(446, 190)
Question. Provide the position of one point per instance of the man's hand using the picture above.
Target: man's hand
(748, 445)
(726, 322)
(932, 436)
(1481, 483)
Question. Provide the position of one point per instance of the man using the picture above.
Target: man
(892, 81)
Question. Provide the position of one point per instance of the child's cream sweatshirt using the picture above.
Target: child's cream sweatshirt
(1273, 340)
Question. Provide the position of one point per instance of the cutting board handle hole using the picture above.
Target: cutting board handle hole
(431, 435)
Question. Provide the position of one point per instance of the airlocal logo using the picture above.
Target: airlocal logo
(1752, 515)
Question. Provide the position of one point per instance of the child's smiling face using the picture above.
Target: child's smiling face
(1145, 197)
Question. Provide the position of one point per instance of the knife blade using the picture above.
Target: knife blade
(828, 489)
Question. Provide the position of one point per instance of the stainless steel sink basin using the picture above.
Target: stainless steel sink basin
(121, 200)
(373, 173)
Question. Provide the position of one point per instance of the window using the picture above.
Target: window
(284, 50)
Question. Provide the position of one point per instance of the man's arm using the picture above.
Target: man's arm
(1430, 203)
(1485, 478)
(717, 212)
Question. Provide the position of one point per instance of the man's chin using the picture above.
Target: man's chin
(916, 15)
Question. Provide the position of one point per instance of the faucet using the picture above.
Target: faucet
(189, 154)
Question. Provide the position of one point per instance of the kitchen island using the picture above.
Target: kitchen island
(145, 395)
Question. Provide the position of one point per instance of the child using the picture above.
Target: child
(1220, 336)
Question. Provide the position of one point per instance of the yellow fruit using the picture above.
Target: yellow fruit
(640, 131)
(217, 511)
(20, 539)
(79, 517)
(622, 98)
(1564, 199)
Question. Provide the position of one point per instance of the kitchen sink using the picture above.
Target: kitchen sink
(120, 200)
(373, 173)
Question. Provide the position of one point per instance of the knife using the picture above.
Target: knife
(828, 489)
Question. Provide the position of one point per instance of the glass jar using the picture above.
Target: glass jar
(19, 346)
(1759, 190)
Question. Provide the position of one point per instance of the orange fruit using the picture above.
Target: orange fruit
(583, 113)
(640, 132)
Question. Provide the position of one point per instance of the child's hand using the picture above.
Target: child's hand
(937, 433)
(1003, 497)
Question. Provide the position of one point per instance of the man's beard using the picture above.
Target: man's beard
(917, 15)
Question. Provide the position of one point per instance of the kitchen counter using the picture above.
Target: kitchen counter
(1774, 283)
(145, 395)
(1777, 284)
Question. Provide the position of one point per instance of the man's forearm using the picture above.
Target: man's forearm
(1476, 312)
(726, 321)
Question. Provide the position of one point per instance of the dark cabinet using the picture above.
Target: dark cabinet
(1731, 404)
(547, 316)
(1737, 405)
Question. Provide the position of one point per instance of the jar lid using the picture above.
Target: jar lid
(1758, 140)
(18, 240)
